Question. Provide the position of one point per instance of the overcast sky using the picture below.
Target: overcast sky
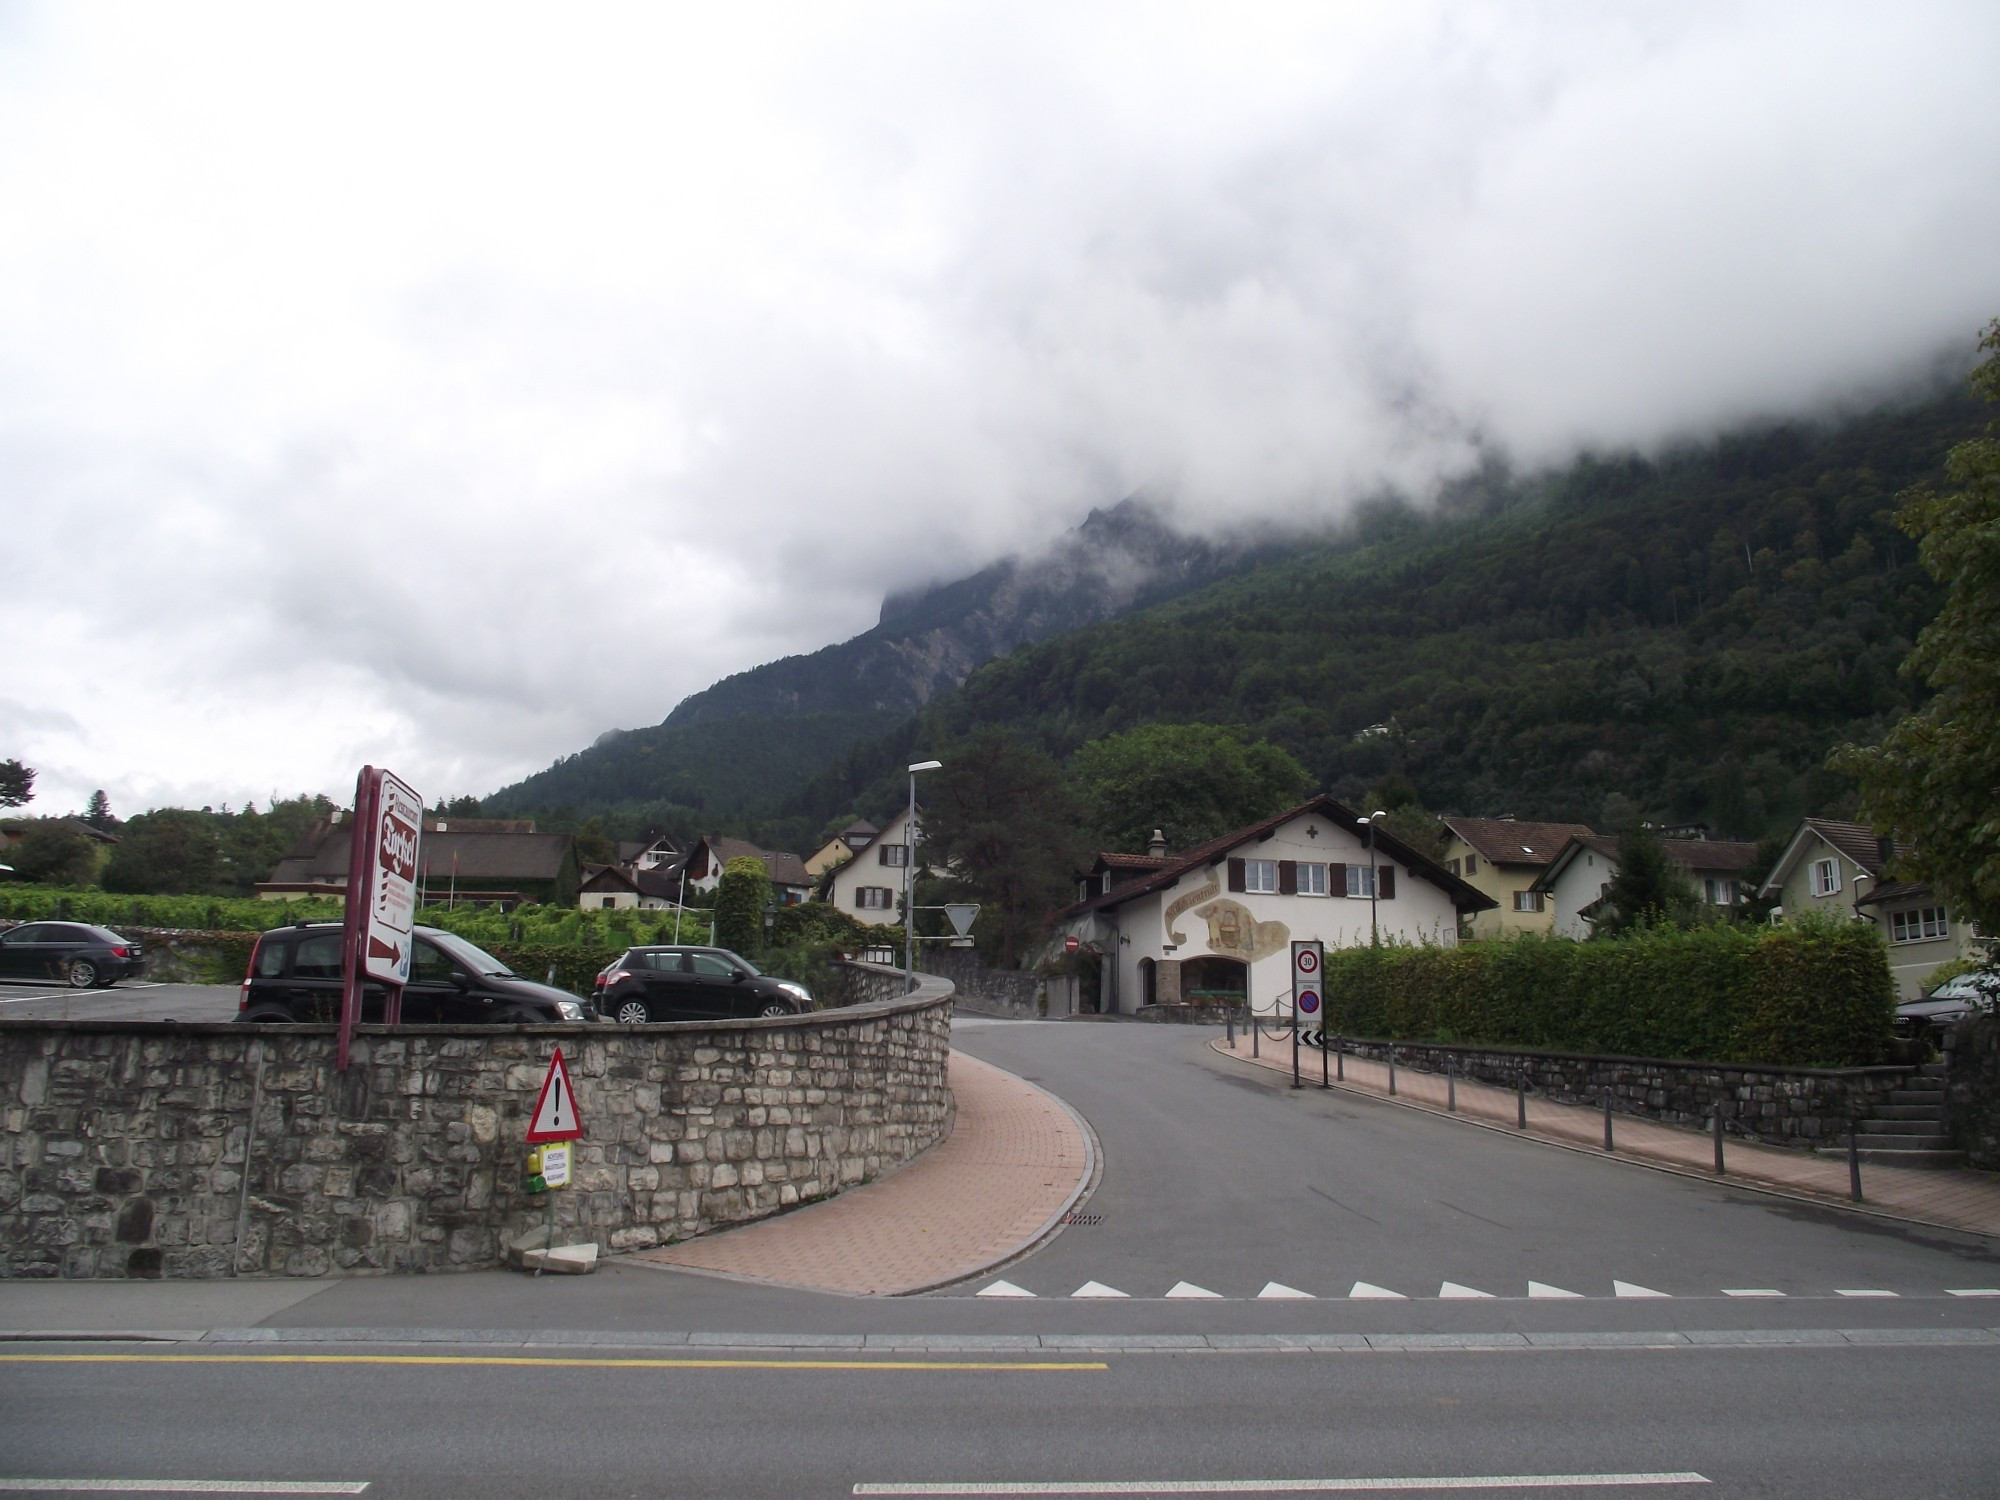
(440, 387)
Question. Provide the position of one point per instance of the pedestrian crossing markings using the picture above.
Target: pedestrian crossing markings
(1363, 1291)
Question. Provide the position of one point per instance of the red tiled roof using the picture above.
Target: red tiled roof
(1508, 841)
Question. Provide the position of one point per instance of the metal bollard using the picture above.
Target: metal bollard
(1392, 1070)
(1853, 1166)
(1607, 1119)
(1339, 1061)
(1718, 1143)
(1520, 1098)
(1451, 1084)
(1229, 1024)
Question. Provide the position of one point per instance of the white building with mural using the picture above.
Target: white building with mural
(1216, 923)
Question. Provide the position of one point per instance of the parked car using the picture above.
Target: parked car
(1948, 1004)
(294, 975)
(692, 984)
(71, 953)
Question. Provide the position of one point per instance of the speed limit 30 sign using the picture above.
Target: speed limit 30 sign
(1308, 981)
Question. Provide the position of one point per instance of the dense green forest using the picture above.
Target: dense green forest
(1692, 632)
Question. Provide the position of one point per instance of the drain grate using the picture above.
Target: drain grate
(1084, 1221)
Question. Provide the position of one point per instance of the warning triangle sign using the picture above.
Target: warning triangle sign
(555, 1117)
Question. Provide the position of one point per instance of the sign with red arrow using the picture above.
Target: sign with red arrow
(392, 895)
(555, 1117)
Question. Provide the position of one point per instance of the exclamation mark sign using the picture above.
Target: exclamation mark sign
(557, 1116)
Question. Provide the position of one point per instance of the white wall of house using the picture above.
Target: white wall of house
(1200, 916)
(873, 869)
(1575, 886)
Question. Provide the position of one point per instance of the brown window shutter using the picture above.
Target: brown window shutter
(1288, 877)
(1385, 882)
(881, 854)
(1236, 874)
(1336, 880)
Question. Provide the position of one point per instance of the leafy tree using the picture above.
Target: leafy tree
(740, 898)
(1647, 891)
(1194, 782)
(1933, 777)
(1396, 795)
(167, 852)
(592, 846)
(51, 853)
(17, 784)
(98, 813)
(1001, 818)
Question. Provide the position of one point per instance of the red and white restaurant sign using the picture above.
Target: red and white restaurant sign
(392, 903)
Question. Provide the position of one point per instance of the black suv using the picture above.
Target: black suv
(295, 976)
(71, 953)
(692, 984)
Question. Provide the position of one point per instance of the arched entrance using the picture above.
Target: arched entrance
(1149, 982)
(1214, 980)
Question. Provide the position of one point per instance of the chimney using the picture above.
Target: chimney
(1885, 850)
(1158, 847)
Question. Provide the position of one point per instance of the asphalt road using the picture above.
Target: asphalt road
(1866, 1376)
(128, 1000)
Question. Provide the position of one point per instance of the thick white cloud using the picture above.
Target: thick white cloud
(440, 386)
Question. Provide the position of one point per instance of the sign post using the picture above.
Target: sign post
(381, 898)
(1308, 993)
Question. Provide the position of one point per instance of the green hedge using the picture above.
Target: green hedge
(1816, 994)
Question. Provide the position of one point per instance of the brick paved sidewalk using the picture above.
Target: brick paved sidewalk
(1961, 1199)
(1014, 1162)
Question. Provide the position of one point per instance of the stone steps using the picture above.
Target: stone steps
(1909, 1130)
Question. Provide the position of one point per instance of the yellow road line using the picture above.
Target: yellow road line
(533, 1362)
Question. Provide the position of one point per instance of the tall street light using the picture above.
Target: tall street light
(1374, 936)
(909, 867)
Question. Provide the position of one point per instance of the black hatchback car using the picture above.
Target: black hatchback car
(71, 953)
(692, 984)
(295, 976)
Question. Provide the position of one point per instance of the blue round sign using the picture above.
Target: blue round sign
(1308, 1002)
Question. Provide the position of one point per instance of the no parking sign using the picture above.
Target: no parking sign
(1308, 981)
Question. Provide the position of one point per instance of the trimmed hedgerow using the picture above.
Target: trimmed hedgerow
(1816, 994)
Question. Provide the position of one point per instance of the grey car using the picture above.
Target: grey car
(1948, 1004)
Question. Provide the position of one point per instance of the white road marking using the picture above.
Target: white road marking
(1097, 1289)
(1632, 1289)
(1453, 1289)
(1004, 1289)
(1278, 1290)
(1543, 1289)
(1752, 1291)
(1289, 1486)
(1364, 1289)
(1866, 1292)
(1189, 1289)
(183, 1486)
(1973, 1291)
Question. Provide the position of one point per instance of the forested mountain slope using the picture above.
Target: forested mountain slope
(1693, 632)
(726, 757)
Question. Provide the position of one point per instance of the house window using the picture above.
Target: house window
(1527, 901)
(608, 902)
(1456, 866)
(1260, 876)
(1472, 864)
(897, 855)
(1826, 877)
(873, 897)
(1360, 881)
(1719, 892)
(1312, 880)
(1915, 926)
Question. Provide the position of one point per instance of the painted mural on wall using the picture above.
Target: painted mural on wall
(1235, 933)
(1192, 899)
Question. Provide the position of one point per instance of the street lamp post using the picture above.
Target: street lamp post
(1374, 934)
(909, 876)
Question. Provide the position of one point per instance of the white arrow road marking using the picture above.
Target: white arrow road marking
(1453, 1289)
(1005, 1289)
(1633, 1289)
(1189, 1289)
(1369, 1289)
(1751, 1291)
(1866, 1292)
(1277, 1289)
(1543, 1289)
(1097, 1289)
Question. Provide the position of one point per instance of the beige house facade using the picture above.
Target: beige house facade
(1502, 858)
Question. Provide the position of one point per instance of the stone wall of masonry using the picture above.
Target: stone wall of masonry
(203, 1150)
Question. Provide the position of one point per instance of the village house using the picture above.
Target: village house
(1502, 858)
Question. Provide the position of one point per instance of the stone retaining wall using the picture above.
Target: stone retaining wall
(1780, 1106)
(1020, 993)
(1190, 1013)
(202, 1150)
(1972, 1089)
